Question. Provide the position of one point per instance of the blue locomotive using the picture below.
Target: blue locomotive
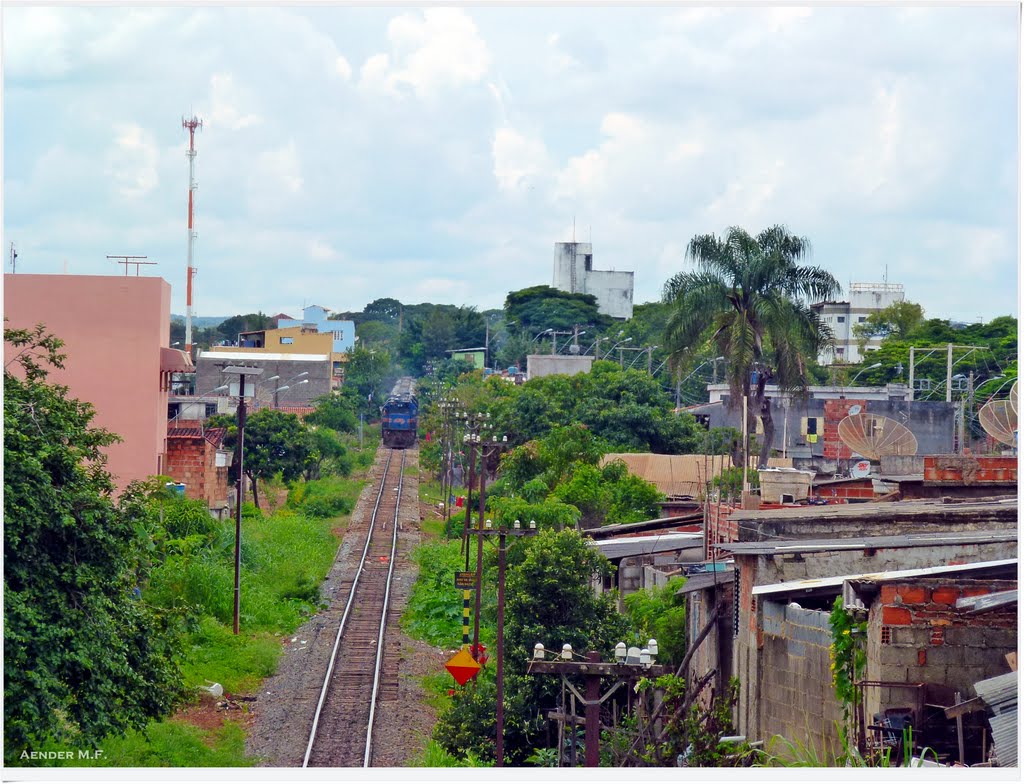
(400, 415)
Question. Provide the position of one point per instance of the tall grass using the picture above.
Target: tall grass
(434, 611)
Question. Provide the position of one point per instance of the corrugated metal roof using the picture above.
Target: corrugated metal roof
(625, 547)
(887, 511)
(702, 580)
(798, 586)
(866, 542)
(988, 601)
(1000, 694)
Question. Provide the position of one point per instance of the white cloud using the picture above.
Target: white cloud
(517, 159)
(439, 48)
(344, 70)
(319, 250)
(225, 99)
(35, 42)
(133, 162)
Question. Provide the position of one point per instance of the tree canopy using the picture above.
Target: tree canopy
(751, 298)
(83, 656)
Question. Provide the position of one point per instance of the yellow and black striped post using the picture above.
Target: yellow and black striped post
(465, 618)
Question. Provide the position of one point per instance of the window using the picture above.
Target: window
(840, 352)
(840, 319)
(861, 319)
(211, 409)
(338, 334)
(287, 341)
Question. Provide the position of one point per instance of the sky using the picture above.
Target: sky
(436, 154)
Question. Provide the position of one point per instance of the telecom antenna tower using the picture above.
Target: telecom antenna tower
(191, 124)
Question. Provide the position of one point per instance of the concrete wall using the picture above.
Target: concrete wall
(574, 272)
(538, 365)
(767, 570)
(795, 694)
(113, 328)
(931, 422)
(315, 317)
(210, 375)
(916, 634)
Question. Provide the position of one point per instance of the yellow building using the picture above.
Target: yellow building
(290, 340)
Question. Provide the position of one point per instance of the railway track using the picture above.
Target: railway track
(342, 729)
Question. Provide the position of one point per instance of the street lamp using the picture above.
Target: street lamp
(869, 367)
(241, 372)
(286, 386)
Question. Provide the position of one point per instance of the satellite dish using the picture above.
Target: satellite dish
(999, 419)
(860, 469)
(854, 410)
(873, 435)
(1013, 397)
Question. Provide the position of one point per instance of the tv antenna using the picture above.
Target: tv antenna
(138, 261)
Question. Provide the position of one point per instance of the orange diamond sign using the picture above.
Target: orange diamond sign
(462, 666)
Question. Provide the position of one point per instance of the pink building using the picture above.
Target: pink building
(115, 331)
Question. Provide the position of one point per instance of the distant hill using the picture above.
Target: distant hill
(201, 321)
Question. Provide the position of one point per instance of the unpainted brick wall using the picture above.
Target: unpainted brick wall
(917, 634)
(193, 461)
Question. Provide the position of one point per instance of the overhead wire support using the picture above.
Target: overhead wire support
(190, 124)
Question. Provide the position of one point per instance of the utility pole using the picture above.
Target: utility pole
(592, 670)
(949, 372)
(191, 125)
(242, 372)
(14, 259)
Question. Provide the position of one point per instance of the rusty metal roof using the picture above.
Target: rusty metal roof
(673, 474)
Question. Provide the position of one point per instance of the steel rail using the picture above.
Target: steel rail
(383, 618)
(348, 608)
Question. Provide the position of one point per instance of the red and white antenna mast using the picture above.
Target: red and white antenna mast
(191, 124)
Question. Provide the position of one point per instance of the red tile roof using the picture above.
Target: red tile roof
(215, 435)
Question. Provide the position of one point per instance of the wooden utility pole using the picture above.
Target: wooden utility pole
(592, 670)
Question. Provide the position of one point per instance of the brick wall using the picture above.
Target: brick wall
(916, 634)
(797, 699)
(835, 412)
(969, 470)
(720, 529)
(857, 488)
(193, 462)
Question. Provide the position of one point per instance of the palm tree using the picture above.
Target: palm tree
(751, 299)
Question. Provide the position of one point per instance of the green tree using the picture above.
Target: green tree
(660, 614)
(323, 449)
(544, 307)
(230, 328)
(898, 321)
(83, 656)
(438, 333)
(548, 598)
(274, 443)
(335, 411)
(750, 297)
